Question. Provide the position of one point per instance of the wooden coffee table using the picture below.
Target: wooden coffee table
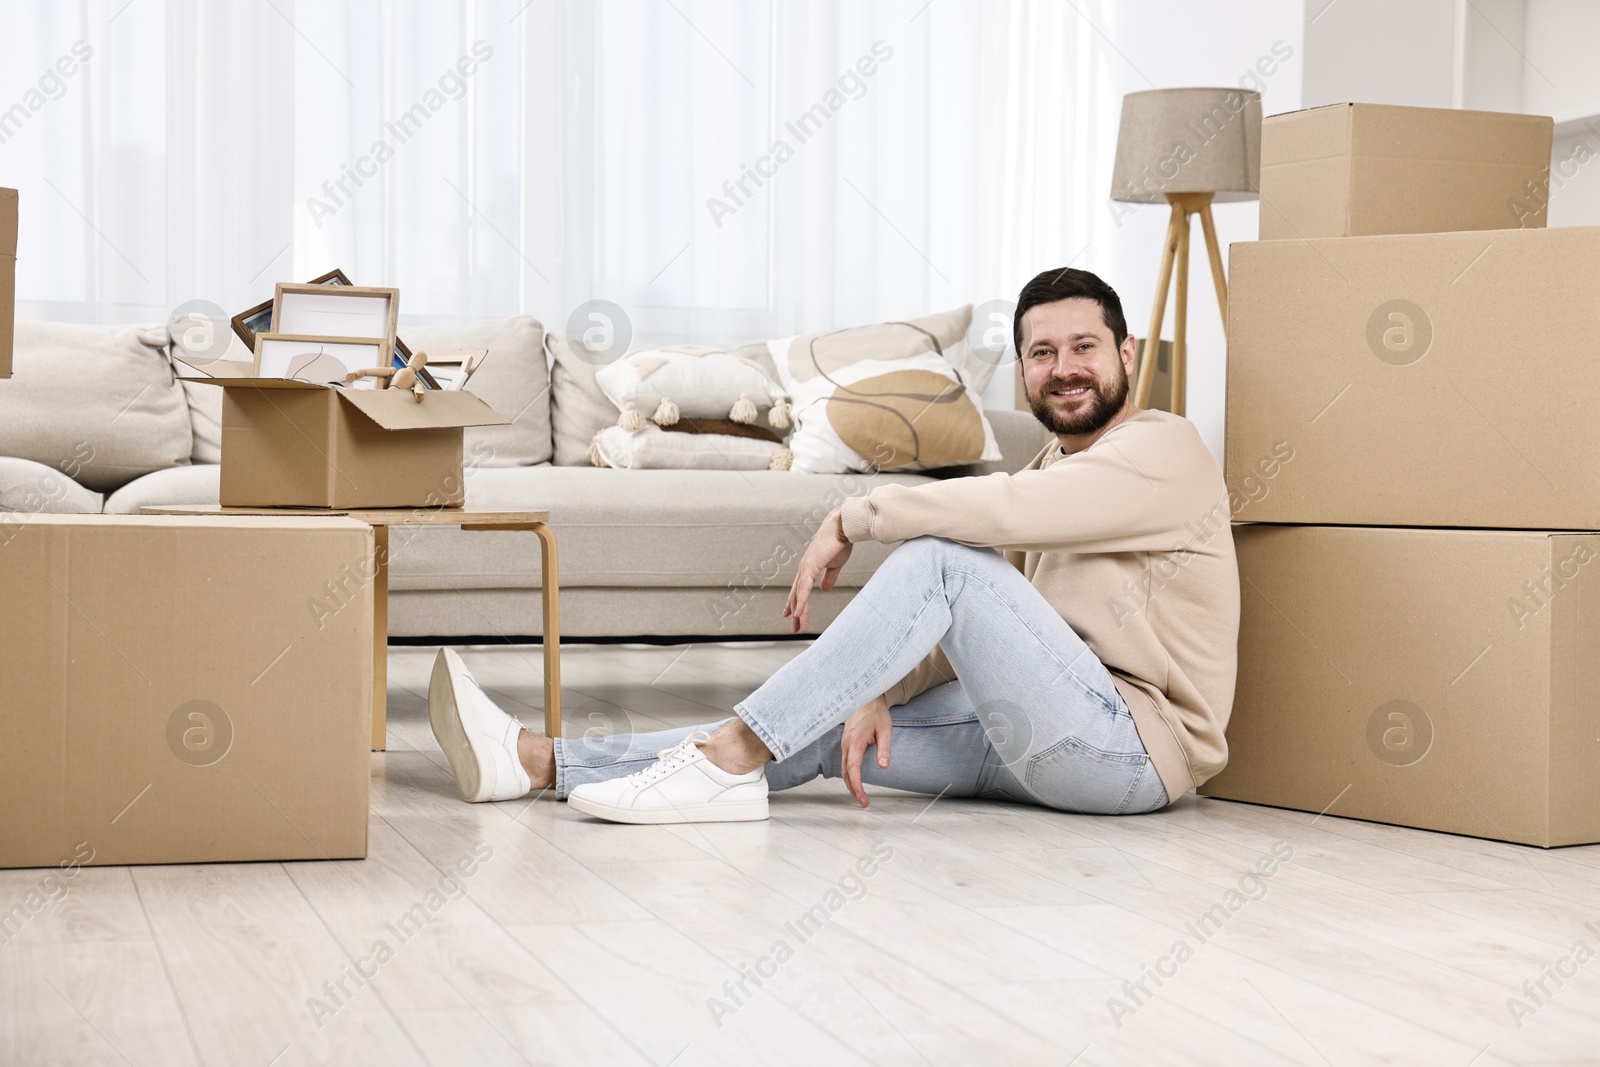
(380, 519)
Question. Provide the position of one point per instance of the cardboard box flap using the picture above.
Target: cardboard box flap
(247, 382)
(398, 409)
(235, 372)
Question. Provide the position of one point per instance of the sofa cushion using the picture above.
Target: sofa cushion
(758, 353)
(578, 406)
(976, 364)
(593, 611)
(178, 485)
(639, 528)
(33, 487)
(101, 402)
(202, 338)
(513, 380)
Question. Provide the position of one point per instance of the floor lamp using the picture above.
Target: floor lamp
(1189, 148)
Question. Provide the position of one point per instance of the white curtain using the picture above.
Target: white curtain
(720, 169)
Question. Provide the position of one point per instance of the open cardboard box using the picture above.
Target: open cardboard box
(1347, 170)
(288, 443)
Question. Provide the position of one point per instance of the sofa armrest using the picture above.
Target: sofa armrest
(1020, 437)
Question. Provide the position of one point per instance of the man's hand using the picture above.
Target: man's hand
(868, 726)
(826, 553)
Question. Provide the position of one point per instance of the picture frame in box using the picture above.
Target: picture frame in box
(453, 366)
(335, 310)
(320, 360)
(258, 319)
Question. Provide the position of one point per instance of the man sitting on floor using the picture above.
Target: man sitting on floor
(1088, 665)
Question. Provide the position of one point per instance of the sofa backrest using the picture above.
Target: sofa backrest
(100, 403)
(513, 379)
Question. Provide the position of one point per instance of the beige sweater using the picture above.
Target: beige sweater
(1129, 540)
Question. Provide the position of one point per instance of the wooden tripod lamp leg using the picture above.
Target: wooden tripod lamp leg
(1180, 323)
(1217, 277)
(1152, 341)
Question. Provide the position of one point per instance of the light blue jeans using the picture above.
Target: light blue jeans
(1034, 716)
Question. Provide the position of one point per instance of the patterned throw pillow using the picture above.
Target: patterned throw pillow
(884, 397)
(691, 381)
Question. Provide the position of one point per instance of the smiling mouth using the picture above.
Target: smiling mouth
(1070, 394)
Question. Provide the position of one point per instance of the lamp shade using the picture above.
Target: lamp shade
(1188, 141)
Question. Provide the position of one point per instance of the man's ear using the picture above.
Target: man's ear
(1130, 352)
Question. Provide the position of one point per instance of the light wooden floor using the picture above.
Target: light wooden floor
(984, 934)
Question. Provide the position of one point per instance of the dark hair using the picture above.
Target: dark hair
(1068, 283)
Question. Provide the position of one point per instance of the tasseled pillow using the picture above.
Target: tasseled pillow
(691, 382)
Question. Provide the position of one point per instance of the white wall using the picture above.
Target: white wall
(1420, 53)
(1561, 76)
(1490, 71)
(1531, 56)
(1380, 52)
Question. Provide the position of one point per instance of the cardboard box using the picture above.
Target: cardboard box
(1423, 380)
(293, 444)
(1441, 679)
(1349, 170)
(168, 695)
(8, 277)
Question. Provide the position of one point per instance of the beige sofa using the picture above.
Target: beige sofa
(96, 419)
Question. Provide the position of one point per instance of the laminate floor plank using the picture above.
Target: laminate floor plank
(922, 930)
(90, 1002)
(253, 963)
(53, 905)
(651, 982)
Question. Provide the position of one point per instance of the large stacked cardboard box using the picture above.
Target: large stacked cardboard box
(1420, 633)
(175, 690)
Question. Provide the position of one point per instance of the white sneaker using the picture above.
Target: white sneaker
(683, 786)
(478, 739)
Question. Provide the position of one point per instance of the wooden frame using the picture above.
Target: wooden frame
(258, 319)
(452, 367)
(304, 309)
(353, 353)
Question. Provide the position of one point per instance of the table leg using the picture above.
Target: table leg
(380, 638)
(552, 630)
(550, 587)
